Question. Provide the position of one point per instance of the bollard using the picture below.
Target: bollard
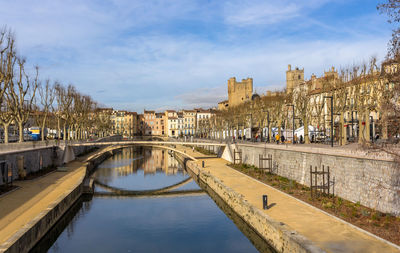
(265, 202)
(203, 163)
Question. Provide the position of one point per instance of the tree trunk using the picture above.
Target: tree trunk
(384, 126)
(361, 128)
(59, 128)
(5, 126)
(367, 128)
(21, 131)
(269, 133)
(279, 128)
(42, 130)
(65, 132)
(70, 132)
(343, 132)
(306, 135)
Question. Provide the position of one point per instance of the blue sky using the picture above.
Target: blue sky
(175, 54)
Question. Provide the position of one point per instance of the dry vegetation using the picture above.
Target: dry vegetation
(380, 224)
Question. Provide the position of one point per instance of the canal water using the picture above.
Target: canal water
(144, 201)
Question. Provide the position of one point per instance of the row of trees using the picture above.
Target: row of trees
(24, 97)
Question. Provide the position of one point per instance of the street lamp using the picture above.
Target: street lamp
(268, 139)
(251, 126)
(372, 123)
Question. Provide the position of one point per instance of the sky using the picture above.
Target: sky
(158, 55)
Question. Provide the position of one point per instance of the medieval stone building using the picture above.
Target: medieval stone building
(294, 78)
(238, 92)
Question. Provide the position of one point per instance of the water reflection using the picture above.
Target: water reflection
(169, 221)
(126, 170)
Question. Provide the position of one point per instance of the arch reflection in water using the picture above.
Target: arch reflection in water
(140, 168)
(177, 220)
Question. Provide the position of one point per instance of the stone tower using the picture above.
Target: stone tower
(239, 92)
(293, 78)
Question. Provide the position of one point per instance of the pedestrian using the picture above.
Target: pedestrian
(277, 138)
(283, 139)
(301, 139)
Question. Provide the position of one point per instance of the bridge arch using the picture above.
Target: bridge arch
(143, 192)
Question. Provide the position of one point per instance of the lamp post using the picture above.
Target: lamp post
(251, 126)
(352, 122)
(268, 138)
(372, 123)
(237, 128)
(331, 97)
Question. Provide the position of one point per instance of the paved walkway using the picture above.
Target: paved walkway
(327, 232)
(21, 206)
(350, 150)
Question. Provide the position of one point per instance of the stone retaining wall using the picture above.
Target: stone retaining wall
(26, 238)
(371, 182)
(34, 160)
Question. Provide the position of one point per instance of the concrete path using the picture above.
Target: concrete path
(351, 150)
(327, 232)
(21, 206)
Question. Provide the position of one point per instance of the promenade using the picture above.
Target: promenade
(327, 232)
(20, 208)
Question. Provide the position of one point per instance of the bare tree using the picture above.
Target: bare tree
(22, 92)
(7, 62)
(65, 98)
(47, 96)
(392, 9)
(340, 94)
(303, 108)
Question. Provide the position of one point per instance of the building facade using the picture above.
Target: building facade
(189, 121)
(203, 118)
(159, 127)
(149, 122)
(171, 123)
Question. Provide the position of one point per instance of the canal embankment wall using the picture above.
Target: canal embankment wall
(276, 234)
(372, 182)
(356, 176)
(34, 156)
(27, 237)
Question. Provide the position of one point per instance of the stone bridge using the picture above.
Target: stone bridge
(34, 156)
(223, 150)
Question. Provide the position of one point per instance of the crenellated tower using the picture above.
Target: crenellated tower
(294, 78)
(239, 92)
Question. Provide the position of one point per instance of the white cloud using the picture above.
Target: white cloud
(118, 52)
(258, 12)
